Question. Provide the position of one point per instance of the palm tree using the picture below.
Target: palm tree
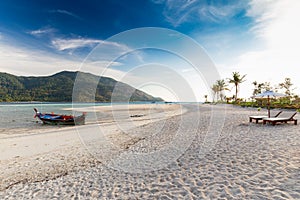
(215, 90)
(237, 79)
(218, 89)
(221, 87)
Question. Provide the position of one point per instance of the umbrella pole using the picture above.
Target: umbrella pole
(269, 106)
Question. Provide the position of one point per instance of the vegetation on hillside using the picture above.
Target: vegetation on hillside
(59, 88)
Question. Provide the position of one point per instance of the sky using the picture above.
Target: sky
(150, 44)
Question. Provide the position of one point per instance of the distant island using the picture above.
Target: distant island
(59, 88)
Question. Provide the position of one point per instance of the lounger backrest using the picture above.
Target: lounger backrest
(287, 115)
(293, 115)
(278, 114)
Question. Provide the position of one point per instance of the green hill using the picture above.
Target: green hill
(59, 88)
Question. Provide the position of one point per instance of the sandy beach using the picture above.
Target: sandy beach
(155, 152)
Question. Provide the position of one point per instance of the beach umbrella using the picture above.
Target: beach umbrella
(268, 94)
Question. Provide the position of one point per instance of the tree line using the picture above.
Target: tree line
(222, 85)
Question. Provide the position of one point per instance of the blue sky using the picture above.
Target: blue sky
(254, 37)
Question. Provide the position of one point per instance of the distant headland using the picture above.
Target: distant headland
(59, 88)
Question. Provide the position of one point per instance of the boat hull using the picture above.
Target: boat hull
(80, 120)
(54, 119)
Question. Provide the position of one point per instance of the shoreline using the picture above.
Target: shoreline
(60, 141)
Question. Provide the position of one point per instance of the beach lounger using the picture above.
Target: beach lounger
(274, 120)
(260, 117)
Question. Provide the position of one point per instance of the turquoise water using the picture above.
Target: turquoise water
(21, 115)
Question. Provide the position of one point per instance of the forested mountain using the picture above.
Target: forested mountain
(59, 88)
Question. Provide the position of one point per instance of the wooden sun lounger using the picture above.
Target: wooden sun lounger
(257, 118)
(274, 120)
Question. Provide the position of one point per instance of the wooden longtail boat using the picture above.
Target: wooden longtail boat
(56, 119)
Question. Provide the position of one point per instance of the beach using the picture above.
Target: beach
(155, 151)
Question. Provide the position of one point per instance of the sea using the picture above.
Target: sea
(21, 115)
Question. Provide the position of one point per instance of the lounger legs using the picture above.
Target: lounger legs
(274, 123)
(256, 120)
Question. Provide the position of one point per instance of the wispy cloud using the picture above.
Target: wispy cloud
(65, 12)
(178, 12)
(70, 44)
(42, 31)
(67, 44)
(106, 50)
(264, 13)
(219, 13)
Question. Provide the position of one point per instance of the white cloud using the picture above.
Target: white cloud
(271, 54)
(42, 31)
(18, 60)
(260, 8)
(276, 21)
(69, 44)
(277, 27)
(27, 60)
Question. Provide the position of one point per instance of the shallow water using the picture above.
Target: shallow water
(16, 118)
(21, 115)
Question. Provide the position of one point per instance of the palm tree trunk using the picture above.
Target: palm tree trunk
(236, 92)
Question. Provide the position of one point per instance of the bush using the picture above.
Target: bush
(273, 104)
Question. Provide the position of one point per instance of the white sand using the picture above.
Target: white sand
(246, 161)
